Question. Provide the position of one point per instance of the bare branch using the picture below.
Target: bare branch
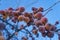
(47, 12)
(52, 6)
(31, 3)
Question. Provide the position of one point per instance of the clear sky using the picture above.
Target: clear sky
(28, 4)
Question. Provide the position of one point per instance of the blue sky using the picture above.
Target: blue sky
(28, 4)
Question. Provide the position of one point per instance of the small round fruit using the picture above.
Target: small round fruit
(44, 20)
(4, 17)
(34, 9)
(35, 31)
(44, 34)
(48, 26)
(57, 22)
(26, 19)
(9, 13)
(21, 9)
(40, 9)
(53, 28)
(15, 13)
(26, 14)
(16, 17)
(21, 18)
(38, 15)
(37, 23)
(24, 38)
(10, 8)
(2, 11)
(31, 19)
(42, 29)
(50, 34)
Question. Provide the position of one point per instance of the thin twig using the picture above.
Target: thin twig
(18, 31)
(7, 22)
(13, 34)
(7, 31)
(31, 3)
(47, 12)
(52, 6)
(57, 30)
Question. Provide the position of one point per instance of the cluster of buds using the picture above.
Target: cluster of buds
(36, 18)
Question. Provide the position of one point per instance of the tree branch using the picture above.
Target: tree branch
(52, 6)
(47, 12)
